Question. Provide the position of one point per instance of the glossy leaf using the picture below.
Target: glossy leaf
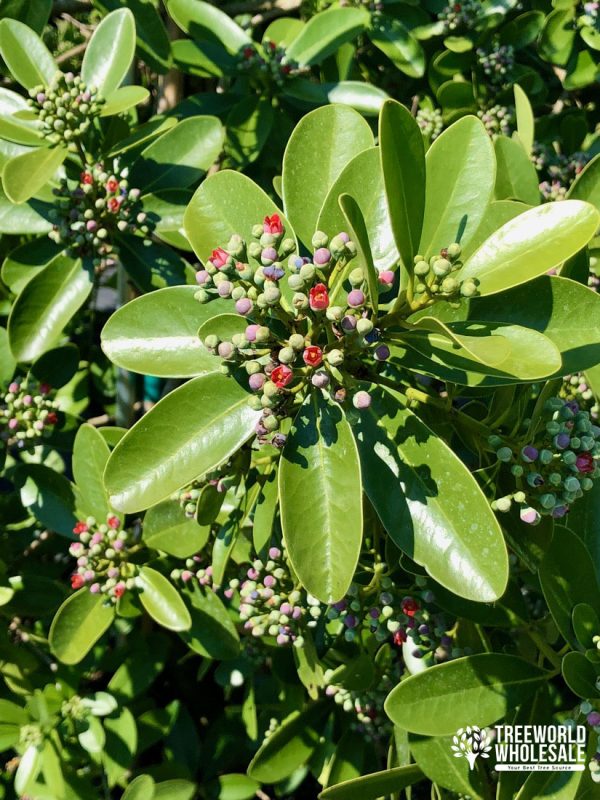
(322, 144)
(357, 230)
(162, 600)
(403, 162)
(152, 38)
(176, 789)
(109, 52)
(362, 178)
(397, 43)
(587, 184)
(249, 126)
(24, 176)
(473, 690)
(423, 493)
(29, 218)
(497, 214)
(525, 118)
(57, 293)
(435, 757)
(26, 56)
(516, 178)
(226, 203)
(25, 262)
(320, 474)
(212, 633)
(363, 97)
(140, 788)
(289, 746)
(151, 265)
(7, 361)
(90, 454)
(531, 244)
(124, 98)
(167, 528)
(155, 458)
(157, 334)
(374, 786)
(204, 21)
(78, 624)
(325, 32)
(49, 496)
(461, 174)
(179, 157)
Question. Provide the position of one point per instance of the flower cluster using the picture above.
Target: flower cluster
(88, 216)
(497, 63)
(102, 553)
(392, 616)
(557, 171)
(268, 63)
(557, 467)
(270, 604)
(434, 278)
(66, 108)
(460, 16)
(26, 412)
(304, 340)
(366, 705)
(431, 122)
(575, 388)
(498, 120)
(591, 16)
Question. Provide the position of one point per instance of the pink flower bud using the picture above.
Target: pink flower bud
(386, 277)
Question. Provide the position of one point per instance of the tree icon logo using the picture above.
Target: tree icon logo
(470, 743)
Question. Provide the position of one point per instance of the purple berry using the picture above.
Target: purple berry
(225, 349)
(257, 381)
(361, 400)
(344, 237)
(382, 353)
(322, 256)
(562, 441)
(244, 306)
(250, 332)
(320, 380)
(593, 719)
(225, 288)
(348, 323)
(529, 454)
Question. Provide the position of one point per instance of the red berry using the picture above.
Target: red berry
(77, 581)
(81, 527)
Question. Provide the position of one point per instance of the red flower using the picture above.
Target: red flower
(87, 177)
(400, 637)
(248, 52)
(112, 185)
(318, 297)
(312, 356)
(281, 376)
(45, 388)
(219, 258)
(120, 589)
(114, 204)
(273, 224)
(77, 581)
(81, 527)
(585, 462)
(409, 606)
(113, 522)
(52, 418)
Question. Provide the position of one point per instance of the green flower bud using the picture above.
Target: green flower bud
(296, 341)
(468, 288)
(263, 334)
(421, 268)
(334, 357)
(296, 282)
(252, 367)
(271, 423)
(334, 313)
(211, 341)
(202, 296)
(319, 239)
(356, 277)
(272, 295)
(364, 326)
(254, 250)
(257, 232)
(307, 272)
(300, 301)
(449, 285)
(287, 355)
(441, 267)
(454, 250)
(269, 389)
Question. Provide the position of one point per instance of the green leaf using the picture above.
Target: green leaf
(567, 577)
(516, 177)
(157, 334)
(155, 458)
(374, 786)
(403, 162)
(363, 97)
(29, 218)
(151, 265)
(121, 745)
(322, 144)
(359, 235)
(7, 361)
(123, 99)
(249, 125)
(25, 175)
(486, 348)
(478, 689)
(162, 600)
(140, 788)
(362, 178)
(174, 790)
(167, 208)
(531, 244)
(397, 43)
(587, 184)
(90, 454)
(324, 33)
(179, 157)
(290, 745)
(319, 475)
(226, 203)
(558, 36)
(25, 262)
(29, 768)
(525, 118)
(435, 757)
(212, 634)
(35, 16)
(204, 21)
(57, 366)
(79, 623)
(92, 738)
(26, 56)
(585, 624)
(461, 174)
(110, 52)
(202, 59)
(283, 30)
(580, 676)
(167, 528)
(45, 306)
(49, 497)
(152, 38)
(497, 214)
(423, 493)
(236, 786)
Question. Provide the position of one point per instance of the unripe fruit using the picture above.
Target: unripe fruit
(296, 341)
(287, 355)
(356, 298)
(361, 400)
(364, 326)
(356, 277)
(335, 358)
(454, 250)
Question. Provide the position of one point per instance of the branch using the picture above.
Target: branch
(72, 53)
(263, 12)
